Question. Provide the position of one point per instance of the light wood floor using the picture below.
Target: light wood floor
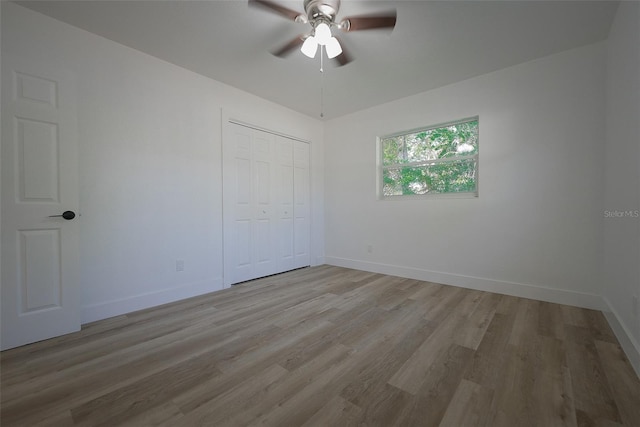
(329, 346)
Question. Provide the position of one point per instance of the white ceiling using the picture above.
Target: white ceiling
(433, 44)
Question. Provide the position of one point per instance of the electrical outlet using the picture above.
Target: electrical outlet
(180, 265)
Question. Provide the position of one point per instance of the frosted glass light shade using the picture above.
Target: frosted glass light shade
(322, 34)
(333, 48)
(309, 47)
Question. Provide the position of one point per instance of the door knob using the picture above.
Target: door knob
(68, 215)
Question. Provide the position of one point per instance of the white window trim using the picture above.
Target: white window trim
(381, 167)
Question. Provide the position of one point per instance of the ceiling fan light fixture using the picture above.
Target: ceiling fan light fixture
(309, 47)
(322, 34)
(321, 16)
(333, 48)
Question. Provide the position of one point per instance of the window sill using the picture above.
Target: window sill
(439, 196)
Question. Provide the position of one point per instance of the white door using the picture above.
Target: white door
(263, 185)
(40, 257)
(301, 199)
(284, 198)
(265, 211)
(248, 207)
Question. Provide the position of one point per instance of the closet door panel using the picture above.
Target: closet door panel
(238, 206)
(284, 191)
(301, 200)
(264, 225)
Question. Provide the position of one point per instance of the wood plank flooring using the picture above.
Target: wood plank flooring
(329, 346)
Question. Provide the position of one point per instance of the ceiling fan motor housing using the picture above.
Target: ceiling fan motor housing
(323, 10)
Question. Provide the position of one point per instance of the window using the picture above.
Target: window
(441, 159)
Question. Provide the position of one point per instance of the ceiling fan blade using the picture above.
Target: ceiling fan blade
(289, 47)
(344, 58)
(371, 22)
(277, 9)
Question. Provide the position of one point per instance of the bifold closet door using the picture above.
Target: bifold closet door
(292, 192)
(301, 208)
(265, 204)
(284, 191)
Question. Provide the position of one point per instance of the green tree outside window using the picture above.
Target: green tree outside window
(437, 160)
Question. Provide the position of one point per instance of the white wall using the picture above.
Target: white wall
(534, 230)
(150, 164)
(621, 267)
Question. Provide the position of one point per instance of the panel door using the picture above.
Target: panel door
(265, 204)
(238, 205)
(301, 200)
(40, 256)
(249, 212)
(284, 198)
(265, 216)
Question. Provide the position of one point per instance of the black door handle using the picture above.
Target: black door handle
(68, 215)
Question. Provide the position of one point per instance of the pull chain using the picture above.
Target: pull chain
(321, 81)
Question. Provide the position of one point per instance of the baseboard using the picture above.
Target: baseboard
(629, 344)
(104, 310)
(559, 296)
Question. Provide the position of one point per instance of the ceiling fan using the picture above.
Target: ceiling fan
(321, 15)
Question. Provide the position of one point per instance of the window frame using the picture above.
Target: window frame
(458, 195)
